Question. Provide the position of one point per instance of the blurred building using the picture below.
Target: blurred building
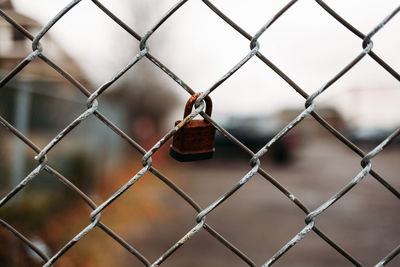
(15, 46)
(37, 79)
(371, 108)
(309, 128)
(38, 100)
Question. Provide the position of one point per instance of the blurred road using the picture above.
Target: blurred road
(259, 220)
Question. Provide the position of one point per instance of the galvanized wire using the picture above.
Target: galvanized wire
(255, 158)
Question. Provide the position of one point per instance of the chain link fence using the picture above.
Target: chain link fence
(366, 159)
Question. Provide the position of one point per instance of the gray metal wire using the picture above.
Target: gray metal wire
(255, 157)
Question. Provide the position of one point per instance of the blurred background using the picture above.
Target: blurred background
(306, 43)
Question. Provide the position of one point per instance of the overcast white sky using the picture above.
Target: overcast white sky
(306, 43)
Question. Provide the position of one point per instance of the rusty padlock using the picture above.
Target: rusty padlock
(195, 140)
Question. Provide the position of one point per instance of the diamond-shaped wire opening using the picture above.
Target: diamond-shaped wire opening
(147, 215)
(364, 221)
(310, 64)
(80, 153)
(26, 101)
(144, 97)
(257, 214)
(366, 85)
(95, 33)
(194, 44)
(273, 94)
(169, 218)
(311, 145)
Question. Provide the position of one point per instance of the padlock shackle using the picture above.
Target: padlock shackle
(190, 103)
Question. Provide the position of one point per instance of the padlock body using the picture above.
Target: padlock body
(194, 141)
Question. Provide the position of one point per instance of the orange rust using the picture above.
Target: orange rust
(195, 140)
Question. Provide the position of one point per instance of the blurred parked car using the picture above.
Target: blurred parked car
(256, 132)
(371, 136)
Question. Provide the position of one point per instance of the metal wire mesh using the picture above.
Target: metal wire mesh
(256, 157)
